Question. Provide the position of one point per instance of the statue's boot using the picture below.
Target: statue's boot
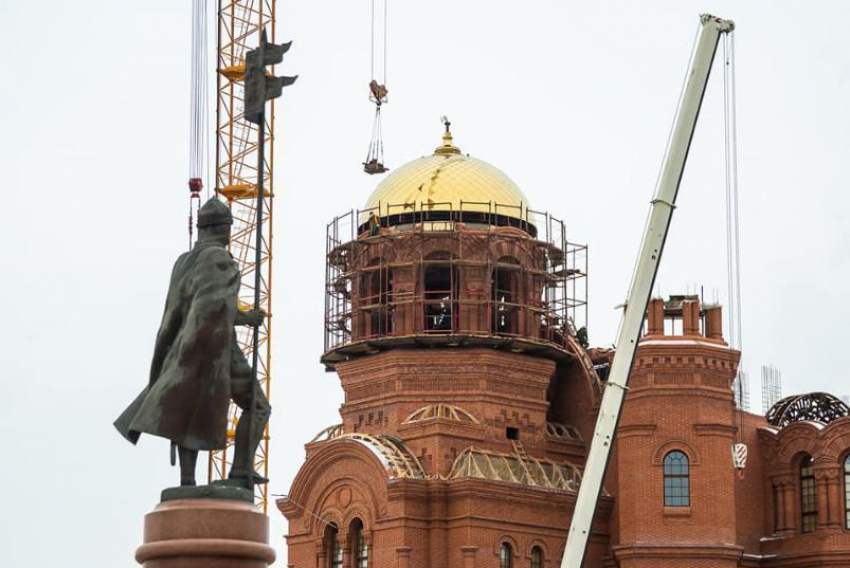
(188, 460)
(243, 453)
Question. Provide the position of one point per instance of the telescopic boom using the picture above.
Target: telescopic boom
(642, 282)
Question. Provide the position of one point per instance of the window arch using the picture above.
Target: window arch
(677, 477)
(333, 548)
(847, 492)
(359, 546)
(536, 557)
(506, 556)
(808, 495)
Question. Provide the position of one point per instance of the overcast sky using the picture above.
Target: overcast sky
(573, 100)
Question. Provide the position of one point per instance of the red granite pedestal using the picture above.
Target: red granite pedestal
(206, 533)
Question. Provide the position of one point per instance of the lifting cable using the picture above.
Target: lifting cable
(198, 110)
(374, 163)
(733, 244)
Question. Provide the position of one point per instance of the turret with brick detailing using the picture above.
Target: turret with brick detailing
(454, 322)
(677, 498)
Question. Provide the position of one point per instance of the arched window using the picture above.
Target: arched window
(360, 550)
(677, 487)
(847, 492)
(439, 293)
(808, 495)
(506, 296)
(536, 557)
(376, 286)
(506, 558)
(332, 547)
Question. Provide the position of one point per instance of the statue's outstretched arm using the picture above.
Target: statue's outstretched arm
(250, 318)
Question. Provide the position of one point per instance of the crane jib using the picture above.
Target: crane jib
(643, 280)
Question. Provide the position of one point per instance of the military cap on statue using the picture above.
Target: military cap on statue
(214, 212)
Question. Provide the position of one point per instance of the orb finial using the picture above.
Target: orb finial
(448, 147)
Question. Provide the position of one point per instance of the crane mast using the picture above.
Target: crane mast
(240, 23)
(642, 282)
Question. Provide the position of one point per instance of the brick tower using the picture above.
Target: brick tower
(451, 321)
(454, 319)
(676, 501)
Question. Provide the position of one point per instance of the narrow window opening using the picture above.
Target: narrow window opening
(776, 512)
(808, 495)
(506, 297)
(506, 556)
(512, 433)
(376, 288)
(536, 557)
(440, 285)
(677, 490)
(333, 548)
(847, 492)
(360, 549)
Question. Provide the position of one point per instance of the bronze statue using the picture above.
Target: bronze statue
(197, 365)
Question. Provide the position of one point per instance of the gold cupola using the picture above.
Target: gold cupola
(447, 181)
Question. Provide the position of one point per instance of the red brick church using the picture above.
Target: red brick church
(455, 321)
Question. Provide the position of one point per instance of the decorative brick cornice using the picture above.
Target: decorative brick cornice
(632, 430)
(716, 429)
(702, 391)
(679, 552)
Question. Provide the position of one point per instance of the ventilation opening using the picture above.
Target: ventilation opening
(512, 433)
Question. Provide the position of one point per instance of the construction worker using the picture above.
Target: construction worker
(374, 224)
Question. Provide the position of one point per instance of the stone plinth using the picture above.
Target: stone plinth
(206, 533)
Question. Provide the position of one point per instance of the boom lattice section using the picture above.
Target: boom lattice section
(239, 25)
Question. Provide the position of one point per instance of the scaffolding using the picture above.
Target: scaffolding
(541, 296)
(237, 141)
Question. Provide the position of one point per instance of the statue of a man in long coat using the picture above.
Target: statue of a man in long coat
(197, 364)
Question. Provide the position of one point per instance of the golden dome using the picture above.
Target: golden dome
(448, 181)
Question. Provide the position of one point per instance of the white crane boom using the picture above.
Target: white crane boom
(642, 283)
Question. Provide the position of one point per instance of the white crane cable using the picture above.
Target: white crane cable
(374, 46)
(198, 113)
(733, 239)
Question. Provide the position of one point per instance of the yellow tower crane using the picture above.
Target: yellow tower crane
(239, 26)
